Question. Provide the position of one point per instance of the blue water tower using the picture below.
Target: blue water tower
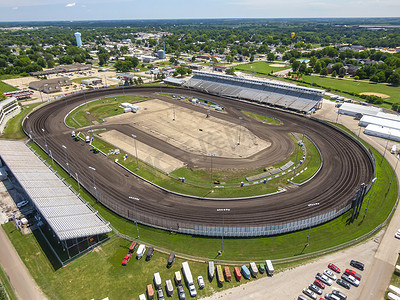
(78, 39)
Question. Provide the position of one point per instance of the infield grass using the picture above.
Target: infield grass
(261, 118)
(4, 87)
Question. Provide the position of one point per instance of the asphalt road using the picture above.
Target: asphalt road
(345, 167)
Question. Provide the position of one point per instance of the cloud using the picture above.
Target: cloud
(70, 4)
(83, 5)
(15, 8)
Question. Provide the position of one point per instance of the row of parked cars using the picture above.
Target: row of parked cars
(328, 277)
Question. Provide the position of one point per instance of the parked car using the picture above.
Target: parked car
(261, 268)
(160, 294)
(343, 283)
(331, 297)
(200, 281)
(301, 297)
(149, 253)
(309, 293)
(171, 260)
(353, 273)
(334, 268)
(142, 297)
(315, 289)
(126, 258)
(192, 290)
(339, 294)
(22, 203)
(397, 235)
(319, 283)
(181, 292)
(351, 279)
(325, 279)
(356, 264)
(330, 274)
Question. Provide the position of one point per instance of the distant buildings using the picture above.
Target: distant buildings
(63, 69)
(50, 85)
(78, 39)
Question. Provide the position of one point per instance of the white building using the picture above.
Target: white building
(383, 132)
(367, 120)
(354, 110)
(8, 109)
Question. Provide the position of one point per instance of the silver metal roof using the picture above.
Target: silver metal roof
(64, 211)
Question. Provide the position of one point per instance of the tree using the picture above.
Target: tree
(317, 67)
(270, 56)
(103, 58)
(302, 67)
(324, 72)
(230, 71)
(251, 57)
(295, 65)
(374, 78)
(181, 70)
(334, 74)
(394, 78)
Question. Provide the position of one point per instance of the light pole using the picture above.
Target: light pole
(137, 160)
(394, 171)
(66, 158)
(223, 210)
(309, 228)
(77, 179)
(51, 156)
(337, 117)
(240, 128)
(370, 194)
(387, 143)
(94, 180)
(45, 142)
(211, 156)
(134, 209)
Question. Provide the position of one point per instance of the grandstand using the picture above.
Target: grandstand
(287, 96)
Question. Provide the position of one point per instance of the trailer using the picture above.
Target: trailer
(394, 148)
(253, 269)
(228, 276)
(157, 280)
(133, 246)
(149, 253)
(150, 292)
(169, 288)
(178, 277)
(269, 267)
(394, 289)
(245, 272)
(189, 279)
(220, 274)
(236, 271)
(211, 269)
(171, 260)
(392, 296)
(140, 252)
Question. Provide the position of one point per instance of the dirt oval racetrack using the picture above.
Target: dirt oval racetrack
(346, 166)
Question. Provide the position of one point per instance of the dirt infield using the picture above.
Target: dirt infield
(150, 155)
(192, 131)
(384, 96)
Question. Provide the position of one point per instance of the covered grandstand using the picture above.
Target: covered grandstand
(287, 96)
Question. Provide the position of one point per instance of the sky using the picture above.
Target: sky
(72, 10)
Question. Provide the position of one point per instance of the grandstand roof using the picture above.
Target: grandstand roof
(68, 215)
(353, 109)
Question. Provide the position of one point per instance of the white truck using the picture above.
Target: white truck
(394, 148)
(269, 267)
(157, 280)
(140, 252)
(189, 279)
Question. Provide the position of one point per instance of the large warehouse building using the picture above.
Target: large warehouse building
(283, 95)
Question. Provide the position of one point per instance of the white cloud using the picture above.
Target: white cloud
(70, 4)
(15, 8)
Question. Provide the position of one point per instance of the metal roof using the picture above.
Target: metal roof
(351, 108)
(384, 132)
(68, 215)
(366, 120)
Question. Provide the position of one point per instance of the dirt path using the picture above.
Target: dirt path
(24, 285)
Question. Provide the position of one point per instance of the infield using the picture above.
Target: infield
(192, 131)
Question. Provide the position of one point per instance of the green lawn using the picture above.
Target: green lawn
(312, 161)
(79, 80)
(324, 236)
(352, 86)
(13, 129)
(98, 110)
(100, 274)
(261, 68)
(4, 87)
(261, 118)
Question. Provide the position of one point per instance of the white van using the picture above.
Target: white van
(140, 252)
(87, 139)
(157, 280)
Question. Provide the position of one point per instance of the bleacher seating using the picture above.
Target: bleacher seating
(277, 94)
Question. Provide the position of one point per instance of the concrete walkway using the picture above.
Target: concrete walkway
(21, 280)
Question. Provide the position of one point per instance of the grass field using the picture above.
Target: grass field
(96, 111)
(4, 87)
(13, 129)
(6, 285)
(261, 68)
(324, 236)
(79, 80)
(261, 118)
(351, 86)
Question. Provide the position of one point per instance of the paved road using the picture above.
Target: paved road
(20, 278)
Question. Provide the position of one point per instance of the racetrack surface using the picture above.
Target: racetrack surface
(346, 166)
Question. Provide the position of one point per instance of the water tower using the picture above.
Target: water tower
(78, 39)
